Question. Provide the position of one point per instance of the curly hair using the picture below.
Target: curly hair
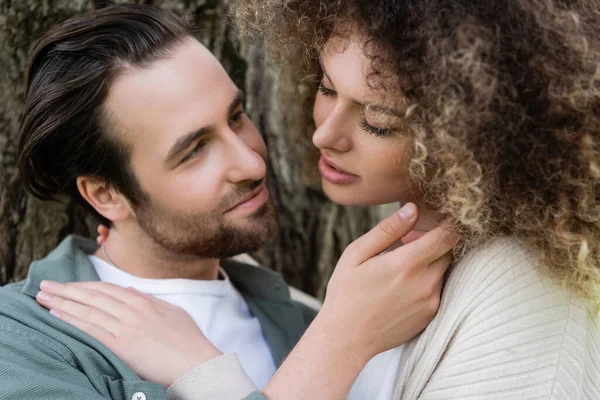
(506, 118)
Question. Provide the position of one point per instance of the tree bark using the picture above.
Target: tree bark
(313, 230)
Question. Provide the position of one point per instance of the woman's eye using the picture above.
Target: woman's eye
(325, 91)
(380, 132)
(193, 153)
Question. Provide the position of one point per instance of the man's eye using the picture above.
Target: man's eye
(193, 153)
(237, 117)
(325, 91)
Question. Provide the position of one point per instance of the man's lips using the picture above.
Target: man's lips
(258, 195)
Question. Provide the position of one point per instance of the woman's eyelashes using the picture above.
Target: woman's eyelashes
(380, 132)
(325, 91)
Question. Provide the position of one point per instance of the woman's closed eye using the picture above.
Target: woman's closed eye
(366, 126)
(326, 91)
(378, 123)
(373, 130)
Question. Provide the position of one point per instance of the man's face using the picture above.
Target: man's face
(196, 155)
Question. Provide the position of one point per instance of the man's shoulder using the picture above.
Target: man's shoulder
(26, 327)
(38, 348)
(16, 304)
(308, 313)
(250, 275)
(309, 305)
(284, 313)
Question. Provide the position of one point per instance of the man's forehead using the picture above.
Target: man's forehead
(189, 77)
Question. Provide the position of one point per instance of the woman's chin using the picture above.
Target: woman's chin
(351, 197)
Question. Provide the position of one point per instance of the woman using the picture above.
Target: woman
(486, 114)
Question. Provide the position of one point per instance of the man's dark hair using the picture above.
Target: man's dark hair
(66, 131)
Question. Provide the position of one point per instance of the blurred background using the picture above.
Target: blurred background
(313, 231)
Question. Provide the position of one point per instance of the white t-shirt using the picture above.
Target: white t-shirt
(377, 380)
(217, 308)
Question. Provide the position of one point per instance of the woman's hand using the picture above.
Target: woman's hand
(393, 294)
(376, 300)
(159, 341)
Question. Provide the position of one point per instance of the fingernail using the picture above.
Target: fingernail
(44, 296)
(47, 284)
(408, 211)
(55, 313)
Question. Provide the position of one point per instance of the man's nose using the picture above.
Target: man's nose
(245, 164)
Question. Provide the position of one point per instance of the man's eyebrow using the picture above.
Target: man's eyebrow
(368, 106)
(185, 141)
(237, 100)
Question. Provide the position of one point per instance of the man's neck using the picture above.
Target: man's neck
(143, 258)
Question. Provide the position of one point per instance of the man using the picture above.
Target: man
(129, 115)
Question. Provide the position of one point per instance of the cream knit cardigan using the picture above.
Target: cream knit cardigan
(503, 331)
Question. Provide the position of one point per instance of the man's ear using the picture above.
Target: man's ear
(108, 202)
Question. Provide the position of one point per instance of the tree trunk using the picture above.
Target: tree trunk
(313, 231)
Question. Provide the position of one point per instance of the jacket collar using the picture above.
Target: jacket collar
(66, 263)
(265, 292)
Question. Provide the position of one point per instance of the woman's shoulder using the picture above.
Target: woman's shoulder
(504, 328)
(503, 268)
(500, 284)
(496, 256)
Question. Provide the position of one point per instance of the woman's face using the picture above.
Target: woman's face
(363, 150)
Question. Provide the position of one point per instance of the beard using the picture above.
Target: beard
(209, 234)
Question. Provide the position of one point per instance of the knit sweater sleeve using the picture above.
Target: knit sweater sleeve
(219, 379)
(504, 331)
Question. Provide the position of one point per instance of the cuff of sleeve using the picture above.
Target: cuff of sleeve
(255, 396)
(221, 378)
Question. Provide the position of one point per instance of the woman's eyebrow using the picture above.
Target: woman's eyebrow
(369, 106)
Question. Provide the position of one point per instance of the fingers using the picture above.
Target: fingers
(432, 246)
(440, 266)
(383, 235)
(81, 316)
(96, 331)
(128, 296)
(147, 296)
(433, 278)
(93, 296)
(412, 236)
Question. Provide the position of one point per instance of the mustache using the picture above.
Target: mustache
(240, 191)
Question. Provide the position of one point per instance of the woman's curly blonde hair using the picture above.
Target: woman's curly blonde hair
(506, 123)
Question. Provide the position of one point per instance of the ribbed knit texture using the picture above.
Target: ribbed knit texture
(504, 331)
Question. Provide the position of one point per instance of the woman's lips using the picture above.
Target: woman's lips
(333, 175)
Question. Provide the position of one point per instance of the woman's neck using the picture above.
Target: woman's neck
(427, 220)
